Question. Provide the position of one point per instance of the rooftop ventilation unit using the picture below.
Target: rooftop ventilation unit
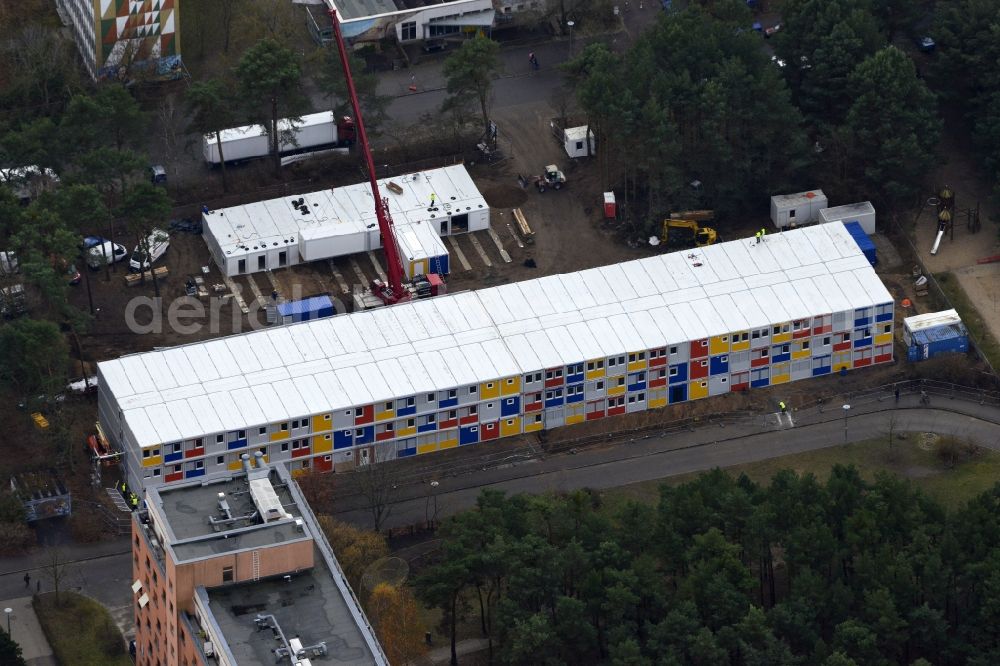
(266, 500)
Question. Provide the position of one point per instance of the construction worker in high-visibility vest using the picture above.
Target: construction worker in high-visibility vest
(757, 236)
(781, 405)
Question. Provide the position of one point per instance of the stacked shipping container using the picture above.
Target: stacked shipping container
(476, 366)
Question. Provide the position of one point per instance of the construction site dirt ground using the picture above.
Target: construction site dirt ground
(570, 234)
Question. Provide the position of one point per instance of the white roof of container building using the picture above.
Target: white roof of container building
(710, 320)
(342, 211)
(466, 338)
(873, 285)
(770, 305)
(932, 319)
(734, 321)
(667, 325)
(688, 321)
(856, 294)
(792, 304)
(606, 336)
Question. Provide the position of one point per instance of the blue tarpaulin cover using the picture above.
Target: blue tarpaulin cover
(861, 238)
(313, 307)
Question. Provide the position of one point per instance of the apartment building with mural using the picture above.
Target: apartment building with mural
(113, 33)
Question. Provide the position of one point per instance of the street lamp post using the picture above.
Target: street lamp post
(7, 612)
(847, 408)
(434, 487)
(570, 24)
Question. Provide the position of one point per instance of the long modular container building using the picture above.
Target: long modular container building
(472, 367)
(331, 223)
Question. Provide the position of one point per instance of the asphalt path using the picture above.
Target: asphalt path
(657, 457)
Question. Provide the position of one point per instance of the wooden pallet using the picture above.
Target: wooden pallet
(394, 188)
(522, 225)
(133, 279)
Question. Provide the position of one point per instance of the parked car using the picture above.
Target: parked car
(8, 263)
(105, 253)
(72, 275)
(925, 43)
(434, 45)
(157, 175)
(158, 242)
(771, 30)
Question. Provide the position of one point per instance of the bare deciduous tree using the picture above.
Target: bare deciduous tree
(56, 568)
(377, 482)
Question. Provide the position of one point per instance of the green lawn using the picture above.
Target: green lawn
(80, 631)
(918, 463)
(978, 329)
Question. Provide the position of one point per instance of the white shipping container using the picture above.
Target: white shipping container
(251, 141)
(863, 213)
(325, 242)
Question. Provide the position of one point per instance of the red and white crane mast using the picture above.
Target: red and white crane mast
(394, 266)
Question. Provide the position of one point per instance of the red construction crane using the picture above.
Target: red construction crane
(394, 291)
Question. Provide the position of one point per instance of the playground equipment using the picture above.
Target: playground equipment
(944, 203)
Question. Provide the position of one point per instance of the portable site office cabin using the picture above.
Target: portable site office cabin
(422, 250)
(575, 142)
(472, 367)
(794, 210)
(338, 222)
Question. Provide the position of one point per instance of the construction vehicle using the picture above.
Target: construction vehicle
(552, 177)
(393, 290)
(680, 234)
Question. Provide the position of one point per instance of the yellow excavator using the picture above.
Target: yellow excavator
(683, 234)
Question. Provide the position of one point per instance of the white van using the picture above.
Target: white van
(158, 241)
(106, 252)
(8, 263)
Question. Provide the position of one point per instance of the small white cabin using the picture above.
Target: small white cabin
(575, 141)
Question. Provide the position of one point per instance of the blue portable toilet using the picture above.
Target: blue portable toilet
(863, 241)
(312, 307)
(933, 334)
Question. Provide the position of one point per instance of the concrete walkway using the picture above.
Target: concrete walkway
(27, 632)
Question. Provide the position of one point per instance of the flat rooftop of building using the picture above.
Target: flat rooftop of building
(186, 509)
(454, 340)
(308, 605)
(796, 198)
(357, 10)
(342, 211)
(847, 210)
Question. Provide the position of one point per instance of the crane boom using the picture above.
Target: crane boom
(394, 266)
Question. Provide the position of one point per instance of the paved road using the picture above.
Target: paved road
(106, 570)
(102, 571)
(702, 449)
